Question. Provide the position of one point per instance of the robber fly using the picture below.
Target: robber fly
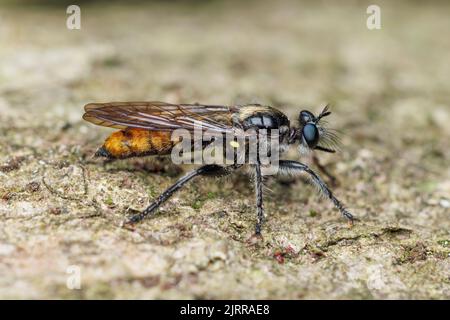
(146, 127)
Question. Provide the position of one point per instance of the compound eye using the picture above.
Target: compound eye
(306, 116)
(311, 134)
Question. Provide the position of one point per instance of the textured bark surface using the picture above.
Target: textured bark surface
(61, 210)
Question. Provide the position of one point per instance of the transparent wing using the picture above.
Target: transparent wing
(161, 116)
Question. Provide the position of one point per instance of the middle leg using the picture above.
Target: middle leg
(259, 198)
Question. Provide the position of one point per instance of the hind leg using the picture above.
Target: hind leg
(207, 170)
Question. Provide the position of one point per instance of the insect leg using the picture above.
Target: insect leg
(333, 181)
(211, 170)
(294, 168)
(259, 198)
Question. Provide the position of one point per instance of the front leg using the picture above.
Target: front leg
(332, 179)
(289, 167)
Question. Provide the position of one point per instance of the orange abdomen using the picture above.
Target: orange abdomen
(133, 142)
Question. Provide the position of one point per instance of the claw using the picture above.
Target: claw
(133, 219)
(350, 223)
(254, 239)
